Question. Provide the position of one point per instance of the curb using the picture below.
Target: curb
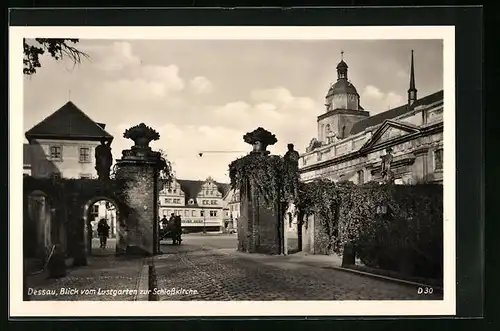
(392, 279)
(143, 284)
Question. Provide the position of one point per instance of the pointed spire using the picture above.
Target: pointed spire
(412, 91)
(412, 73)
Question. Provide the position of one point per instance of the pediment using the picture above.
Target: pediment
(389, 130)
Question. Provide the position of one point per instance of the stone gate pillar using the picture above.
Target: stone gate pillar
(138, 170)
(260, 224)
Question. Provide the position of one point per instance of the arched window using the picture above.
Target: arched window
(343, 131)
(327, 128)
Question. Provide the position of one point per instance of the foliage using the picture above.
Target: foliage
(167, 174)
(407, 237)
(60, 191)
(262, 172)
(57, 48)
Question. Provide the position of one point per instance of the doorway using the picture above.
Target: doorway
(102, 226)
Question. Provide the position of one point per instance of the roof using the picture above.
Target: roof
(26, 154)
(68, 122)
(394, 112)
(342, 64)
(191, 188)
(342, 86)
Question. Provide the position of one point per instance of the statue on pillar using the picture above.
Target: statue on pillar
(103, 159)
(385, 171)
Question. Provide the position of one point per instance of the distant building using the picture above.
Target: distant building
(199, 203)
(232, 201)
(350, 143)
(63, 145)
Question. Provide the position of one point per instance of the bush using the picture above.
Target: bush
(407, 237)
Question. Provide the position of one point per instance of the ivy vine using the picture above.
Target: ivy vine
(263, 173)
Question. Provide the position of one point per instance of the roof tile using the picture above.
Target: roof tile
(68, 122)
(394, 112)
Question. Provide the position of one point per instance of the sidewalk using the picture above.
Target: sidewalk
(106, 278)
(301, 259)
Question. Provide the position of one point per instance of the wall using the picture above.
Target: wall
(258, 227)
(141, 200)
(69, 166)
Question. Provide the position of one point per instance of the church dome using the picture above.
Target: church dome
(342, 65)
(342, 86)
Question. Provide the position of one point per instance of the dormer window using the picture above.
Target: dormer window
(191, 202)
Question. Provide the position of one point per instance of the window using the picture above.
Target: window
(343, 131)
(186, 213)
(193, 213)
(213, 202)
(213, 213)
(177, 200)
(56, 153)
(202, 213)
(169, 211)
(319, 155)
(174, 190)
(304, 161)
(438, 159)
(94, 211)
(169, 191)
(84, 154)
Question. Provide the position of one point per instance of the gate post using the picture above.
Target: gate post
(139, 170)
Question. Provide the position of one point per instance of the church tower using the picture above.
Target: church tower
(412, 91)
(342, 107)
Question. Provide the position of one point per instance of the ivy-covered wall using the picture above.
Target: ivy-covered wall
(393, 227)
(67, 199)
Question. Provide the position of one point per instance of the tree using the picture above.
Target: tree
(57, 48)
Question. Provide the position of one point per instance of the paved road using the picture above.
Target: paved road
(208, 268)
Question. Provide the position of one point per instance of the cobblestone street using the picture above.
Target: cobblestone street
(206, 268)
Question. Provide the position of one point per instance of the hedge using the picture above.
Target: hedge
(393, 227)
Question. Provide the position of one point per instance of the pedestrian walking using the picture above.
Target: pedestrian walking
(103, 232)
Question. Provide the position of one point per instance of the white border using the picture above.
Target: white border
(234, 308)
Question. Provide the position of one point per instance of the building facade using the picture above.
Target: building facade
(63, 145)
(199, 203)
(350, 143)
(232, 201)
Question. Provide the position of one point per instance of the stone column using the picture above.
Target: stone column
(258, 225)
(138, 170)
(419, 168)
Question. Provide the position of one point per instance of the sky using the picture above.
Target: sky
(204, 95)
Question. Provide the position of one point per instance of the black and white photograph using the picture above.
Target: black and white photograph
(310, 171)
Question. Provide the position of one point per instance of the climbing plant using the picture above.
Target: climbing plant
(390, 225)
(262, 172)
